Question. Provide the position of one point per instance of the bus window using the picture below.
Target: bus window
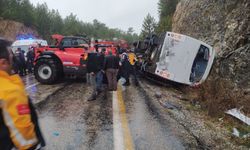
(200, 64)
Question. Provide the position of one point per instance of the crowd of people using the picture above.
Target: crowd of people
(108, 69)
(18, 119)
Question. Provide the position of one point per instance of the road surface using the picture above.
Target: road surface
(116, 120)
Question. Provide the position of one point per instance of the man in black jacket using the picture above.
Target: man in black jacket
(94, 67)
(30, 59)
(111, 66)
(20, 60)
(99, 75)
(92, 70)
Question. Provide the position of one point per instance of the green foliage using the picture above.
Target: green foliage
(166, 10)
(148, 26)
(42, 20)
(48, 22)
(19, 10)
(56, 24)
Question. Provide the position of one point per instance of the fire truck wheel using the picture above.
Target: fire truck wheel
(46, 71)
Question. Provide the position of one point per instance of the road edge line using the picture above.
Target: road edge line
(126, 131)
(117, 125)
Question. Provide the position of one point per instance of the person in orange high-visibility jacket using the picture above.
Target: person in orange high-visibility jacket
(18, 120)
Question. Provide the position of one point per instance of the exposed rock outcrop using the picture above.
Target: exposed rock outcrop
(224, 24)
(10, 29)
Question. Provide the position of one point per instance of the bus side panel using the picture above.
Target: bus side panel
(177, 57)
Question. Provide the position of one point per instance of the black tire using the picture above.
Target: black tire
(47, 71)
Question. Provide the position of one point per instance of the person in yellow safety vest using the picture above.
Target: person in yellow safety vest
(18, 119)
(132, 60)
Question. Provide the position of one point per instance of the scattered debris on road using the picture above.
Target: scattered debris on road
(56, 134)
(158, 95)
(237, 114)
(236, 132)
(170, 105)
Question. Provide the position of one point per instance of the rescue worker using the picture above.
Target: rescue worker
(88, 68)
(30, 59)
(132, 60)
(125, 67)
(24, 63)
(119, 49)
(96, 45)
(92, 70)
(111, 66)
(99, 75)
(15, 65)
(18, 120)
(21, 64)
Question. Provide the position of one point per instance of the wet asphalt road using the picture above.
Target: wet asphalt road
(38, 92)
(70, 122)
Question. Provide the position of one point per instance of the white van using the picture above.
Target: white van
(181, 59)
(27, 43)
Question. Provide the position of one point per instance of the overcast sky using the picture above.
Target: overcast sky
(120, 14)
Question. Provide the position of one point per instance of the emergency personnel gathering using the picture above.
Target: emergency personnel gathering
(19, 127)
(23, 63)
(105, 67)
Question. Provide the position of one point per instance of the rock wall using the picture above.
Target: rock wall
(224, 24)
(10, 29)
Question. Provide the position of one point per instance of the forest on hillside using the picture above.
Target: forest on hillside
(48, 21)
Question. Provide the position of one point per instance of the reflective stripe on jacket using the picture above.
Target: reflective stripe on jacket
(15, 112)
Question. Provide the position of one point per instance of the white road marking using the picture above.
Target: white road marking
(28, 77)
(35, 84)
(117, 125)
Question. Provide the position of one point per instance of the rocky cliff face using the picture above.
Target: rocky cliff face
(10, 29)
(224, 24)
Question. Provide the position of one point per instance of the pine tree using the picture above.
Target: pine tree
(166, 10)
(149, 26)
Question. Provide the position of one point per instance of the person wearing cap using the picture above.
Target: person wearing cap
(125, 67)
(18, 119)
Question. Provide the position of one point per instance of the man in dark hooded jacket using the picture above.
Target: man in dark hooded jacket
(30, 59)
(20, 61)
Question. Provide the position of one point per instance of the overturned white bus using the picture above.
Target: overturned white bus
(176, 57)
